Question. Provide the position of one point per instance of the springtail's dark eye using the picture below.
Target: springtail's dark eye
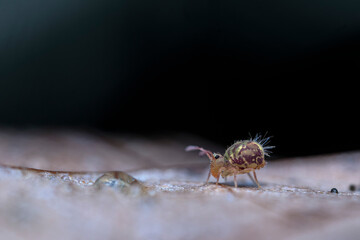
(216, 156)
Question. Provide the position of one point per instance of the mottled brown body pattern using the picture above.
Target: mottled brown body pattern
(245, 154)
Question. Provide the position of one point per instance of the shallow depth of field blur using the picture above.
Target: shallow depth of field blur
(126, 85)
(220, 70)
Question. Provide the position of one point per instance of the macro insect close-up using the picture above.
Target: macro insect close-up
(243, 156)
(173, 120)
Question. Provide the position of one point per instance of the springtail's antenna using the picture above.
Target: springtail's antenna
(203, 151)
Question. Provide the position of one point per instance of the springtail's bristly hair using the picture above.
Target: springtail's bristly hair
(263, 141)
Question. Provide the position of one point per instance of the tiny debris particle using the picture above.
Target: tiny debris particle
(352, 187)
(334, 190)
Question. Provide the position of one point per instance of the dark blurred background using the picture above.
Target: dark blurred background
(218, 69)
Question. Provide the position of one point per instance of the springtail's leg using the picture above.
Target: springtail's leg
(257, 182)
(208, 177)
(251, 177)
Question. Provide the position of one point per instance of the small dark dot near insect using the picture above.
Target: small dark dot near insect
(334, 190)
(217, 156)
(352, 187)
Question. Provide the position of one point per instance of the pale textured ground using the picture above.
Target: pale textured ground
(294, 202)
